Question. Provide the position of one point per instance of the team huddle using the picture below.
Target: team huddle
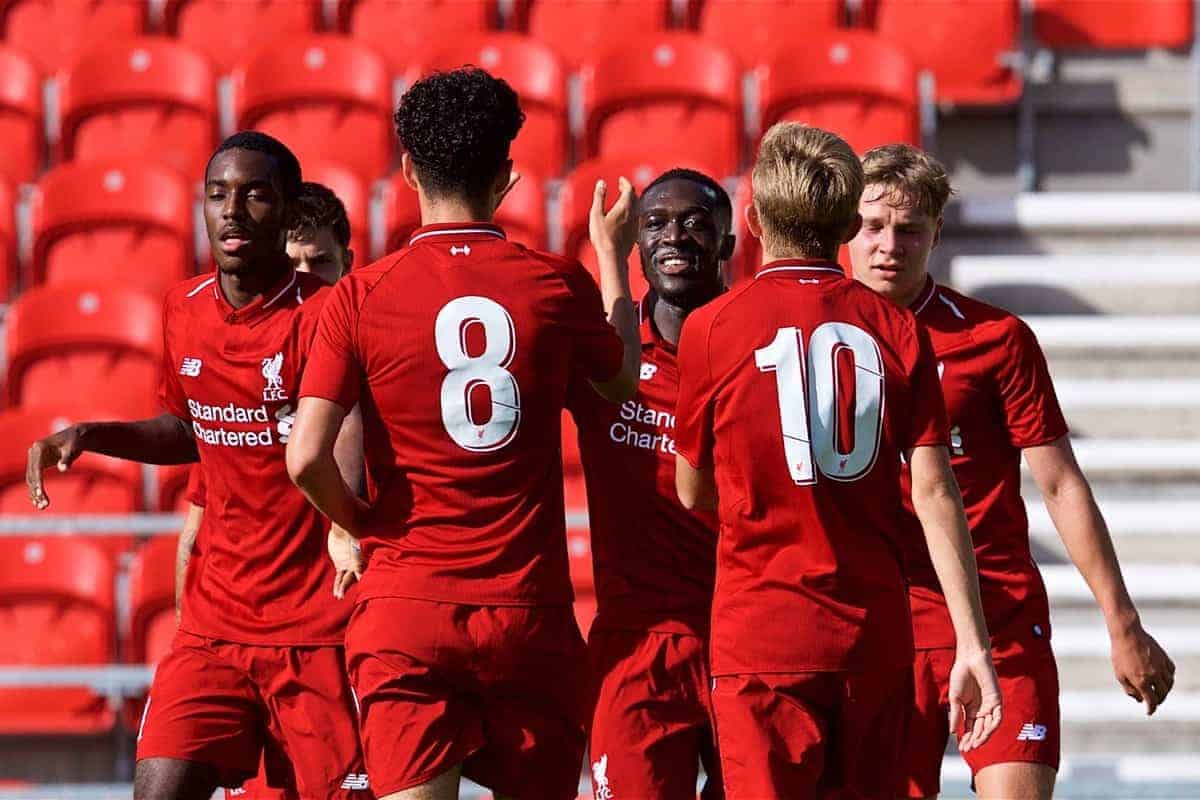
(811, 555)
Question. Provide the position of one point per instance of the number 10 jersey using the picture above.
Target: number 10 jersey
(459, 348)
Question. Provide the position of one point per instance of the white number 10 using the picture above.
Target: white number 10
(808, 410)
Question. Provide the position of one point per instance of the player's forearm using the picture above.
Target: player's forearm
(183, 552)
(165, 439)
(348, 451)
(321, 482)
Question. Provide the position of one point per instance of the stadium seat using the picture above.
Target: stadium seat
(8, 242)
(747, 252)
(1113, 24)
(674, 91)
(398, 29)
(20, 117)
(152, 600)
(355, 195)
(964, 44)
(579, 553)
(572, 463)
(172, 487)
(851, 82)
(326, 97)
(228, 30)
(522, 214)
(94, 340)
(580, 30)
(139, 97)
(56, 608)
(53, 33)
(535, 73)
(113, 220)
(752, 28)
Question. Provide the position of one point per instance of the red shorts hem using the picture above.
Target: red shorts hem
(382, 790)
(227, 778)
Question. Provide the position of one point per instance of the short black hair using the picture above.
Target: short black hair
(285, 160)
(318, 207)
(456, 127)
(724, 204)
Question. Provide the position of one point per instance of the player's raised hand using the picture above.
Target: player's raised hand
(613, 232)
(1142, 667)
(60, 449)
(347, 559)
(974, 695)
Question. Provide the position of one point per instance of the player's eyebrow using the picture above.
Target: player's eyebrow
(696, 209)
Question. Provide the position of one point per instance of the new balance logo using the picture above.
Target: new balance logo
(1032, 733)
(465, 250)
(356, 780)
(191, 367)
(648, 371)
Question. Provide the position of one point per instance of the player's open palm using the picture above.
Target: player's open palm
(1143, 668)
(347, 559)
(59, 449)
(974, 696)
(613, 232)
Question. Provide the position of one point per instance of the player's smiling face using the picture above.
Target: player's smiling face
(890, 254)
(682, 240)
(244, 210)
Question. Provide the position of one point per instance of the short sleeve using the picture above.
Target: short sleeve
(333, 371)
(170, 391)
(197, 488)
(1028, 402)
(597, 349)
(927, 424)
(694, 405)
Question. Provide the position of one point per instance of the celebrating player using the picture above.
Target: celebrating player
(1001, 404)
(463, 648)
(257, 664)
(654, 560)
(799, 391)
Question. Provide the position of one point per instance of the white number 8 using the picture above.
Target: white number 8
(469, 374)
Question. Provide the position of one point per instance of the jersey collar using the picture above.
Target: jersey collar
(925, 297)
(261, 306)
(469, 231)
(815, 269)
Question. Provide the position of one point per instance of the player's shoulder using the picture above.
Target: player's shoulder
(191, 291)
(987, 323)
(736, 301)
(876, 309)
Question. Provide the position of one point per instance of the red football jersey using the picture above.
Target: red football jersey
(460, 348)
(195, 490)
(999, 399)
(259, 573)
(802, 389)
(653, 559)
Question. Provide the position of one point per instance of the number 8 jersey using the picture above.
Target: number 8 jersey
(460, 348)
(802, 389)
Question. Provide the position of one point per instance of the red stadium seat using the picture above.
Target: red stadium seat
(579, 552)
(963, 44)
(326, 97)
(53, 33)
(227, 30)
(140, 96)
(1113, 24)
(572, 463)
(747, 252)
(852, 82)
(522, 214)
(56, 608)
(355, 195)
(152, 600)
(580, 30)
(8, 241)
(121, 220)
(172, 487)
(400, 28)
(674, 91)
(750, 29)
(92, 340)
(535, 73)
(20, 117)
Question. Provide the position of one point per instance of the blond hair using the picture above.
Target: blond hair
(806, 183)
(907, 176)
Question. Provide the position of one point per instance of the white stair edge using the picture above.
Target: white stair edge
(1128, 767)
(1092, 640)
(1146, 581)
(1137, 455)
(1150, 212)
(1118, 332)
(1085, 393)
(1112, 705)
(968, 273)
(1127, 518)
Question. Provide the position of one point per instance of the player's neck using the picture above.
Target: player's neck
(908, 297)
(451, 212)
(668, 320)
(243, 288)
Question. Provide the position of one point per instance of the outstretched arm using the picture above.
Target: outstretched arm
(1142, 667)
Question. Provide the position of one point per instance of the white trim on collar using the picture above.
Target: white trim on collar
(458, 232)
(282, 291)
(928, 297)
(199, 288)
(834, 270)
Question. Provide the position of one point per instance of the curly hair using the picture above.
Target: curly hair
(456, 127)
(286, 163)
(318, 207)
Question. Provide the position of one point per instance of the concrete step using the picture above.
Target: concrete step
(1138, 460)
(1132, 409)
(1154, 585)
(1107, 346)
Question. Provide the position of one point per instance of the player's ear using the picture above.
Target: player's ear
(347, 260)
(409, 170)
(937, 233)
(853, 229)
(727, 243)
(753, 223)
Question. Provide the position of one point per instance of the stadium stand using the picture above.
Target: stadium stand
(56, 608)
(20, 117)
(84, 340)
(152, 601)
(751, 28)
(172, 485)
(1114, 24)
(580, 30)
(95, 221)
(128, 98)
(675, 88)
(327, 97)
(228, 30)
(535, 72)
(400, 29)
(53, 33)
(747, 253)
(854, 82)
(355, 195)
(8, 242)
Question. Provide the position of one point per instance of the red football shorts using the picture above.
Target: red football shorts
(227, 704)
(652, 723)
(502, 690)
(1029, 731)
(811, 735)
(256, 788)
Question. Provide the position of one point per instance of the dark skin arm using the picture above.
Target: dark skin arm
(165, 439)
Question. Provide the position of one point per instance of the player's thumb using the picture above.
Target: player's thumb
(67, 456)
(956, 716)
(598, 196)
